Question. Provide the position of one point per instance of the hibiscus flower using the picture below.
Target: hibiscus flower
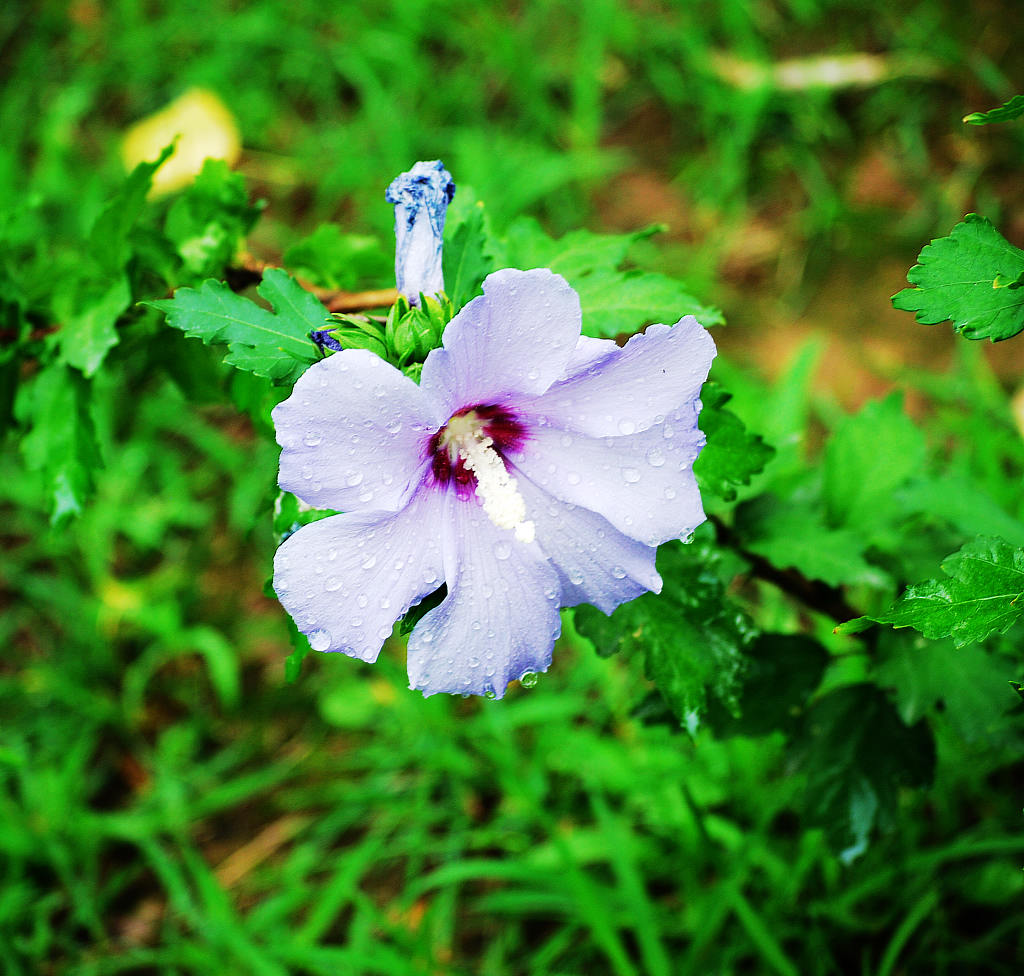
(532, 468)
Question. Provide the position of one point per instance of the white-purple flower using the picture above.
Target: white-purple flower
(421, 197)
(531, 469)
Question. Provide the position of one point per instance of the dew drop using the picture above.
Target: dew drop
(502, 550)
(354, 479)
(356, 621)
(474, 662)
(319, 639)
(670, 493)
(369, 562)
(566, 440)
(528, 679)
(385, 602)
(333, 583)
(307, 472)
(362, 600)
(626, 426)
(655, 457)
(576, 577)
(573, 478)
(667, 431)
(393, 426)
(618, 572)
(490, 694)
(313, 438)
(631, 475)
(383, 633)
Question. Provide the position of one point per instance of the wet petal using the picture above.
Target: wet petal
(625, 393)
(347, 578)
(500, 618)
(643, 484)
(353, 433)
(595, 562)
(516, 338)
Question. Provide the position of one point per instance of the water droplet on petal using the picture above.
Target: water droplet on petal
(369, 562)
(332, 584)
(618, 572)
(655, 457)
(576, 577)
(393, 426)
(626, 426)
(631, 475)
(528, 679)
(384, 603)
(354, 479)
(502, 550)
(362, 600)
(319, 640)
(474, 662)
(573, 478)
(566, 440)
(312, 438)
(670, 493)
(307, 472)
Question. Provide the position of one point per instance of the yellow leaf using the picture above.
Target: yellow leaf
(204, 128)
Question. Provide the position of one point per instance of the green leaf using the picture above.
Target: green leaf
(968, 278)
(613, 301)
(732, 455)
(467, 257)
(275, 345)
(983, 594)
(289, 517)
(109, 243)
(89, 311)
(968, 685)
(857, 755)
(331, 259)
(1005, 113)
(870, 455)
(61, 442)
(793, 535)
(692, 636)
(209, 221)
(783, 671)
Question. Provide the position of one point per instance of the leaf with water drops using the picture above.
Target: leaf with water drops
(982, 594)
(733, 454)
(692, 636)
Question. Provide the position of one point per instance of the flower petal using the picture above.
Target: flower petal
(643, 484)
(595, 562)
(353, 433)
(626, 393)
(347, 578)
(516, 338)
(500, 618)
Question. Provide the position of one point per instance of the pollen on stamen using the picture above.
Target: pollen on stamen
(474, 451)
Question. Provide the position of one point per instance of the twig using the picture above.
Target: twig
(814, 594)
(251, 269)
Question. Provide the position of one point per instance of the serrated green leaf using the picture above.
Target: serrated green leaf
(732, 455)
(272, 344)
(1006, 112)
(331, 259)
(969, 684)
(60, 443)
(209, 221)
(982, 595)
(692, 636)
(624, 301)
(793, 535)
(868, 457)
(612, 301)
(88, 311)
(467, 257)
(782, 672)
(109, 245)
(963, 278)
(857, 755)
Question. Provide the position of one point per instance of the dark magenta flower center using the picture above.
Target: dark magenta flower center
(447, 462)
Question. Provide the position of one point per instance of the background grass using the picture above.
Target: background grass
(170, 805)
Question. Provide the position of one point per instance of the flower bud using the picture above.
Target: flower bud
(421, 197)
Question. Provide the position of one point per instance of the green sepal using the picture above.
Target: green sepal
(1006, 112)
(411, 331)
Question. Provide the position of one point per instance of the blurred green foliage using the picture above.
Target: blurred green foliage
(171, 805)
